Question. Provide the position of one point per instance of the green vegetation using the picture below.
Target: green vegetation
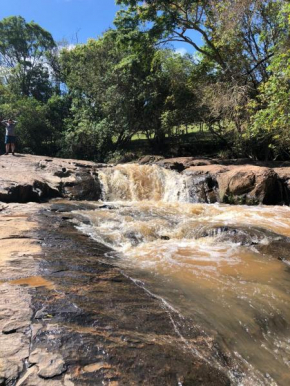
(126, 94)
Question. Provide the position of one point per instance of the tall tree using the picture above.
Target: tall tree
(238, 36)
(118, 90)
(24, 48)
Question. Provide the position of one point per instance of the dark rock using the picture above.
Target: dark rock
(36, 192)
(278, 249)
(63, 173)
(283, 173)
(110, 207)
(86, 187)
(179, 167)
(242, 235)
(202, 188)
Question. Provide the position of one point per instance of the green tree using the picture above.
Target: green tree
(57, 113)
(32, 131)
(39, 126)
(181, 107)
(267, 135)
(237, 36)
(118, 89)
(24, 49)
(269, 131)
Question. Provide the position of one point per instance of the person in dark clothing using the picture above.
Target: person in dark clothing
(10, 137)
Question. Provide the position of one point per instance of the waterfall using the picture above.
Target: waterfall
(132, 182)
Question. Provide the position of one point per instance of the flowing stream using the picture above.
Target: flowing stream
(222, 272)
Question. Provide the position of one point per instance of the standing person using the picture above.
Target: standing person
(10, 137)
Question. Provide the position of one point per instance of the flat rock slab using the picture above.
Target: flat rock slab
(105, 327)
(94, 326)
(19, 246)
(28, 178)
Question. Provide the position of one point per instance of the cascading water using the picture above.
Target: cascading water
(138, 183)
(213, 267)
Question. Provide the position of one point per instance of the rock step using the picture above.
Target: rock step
(28, 178)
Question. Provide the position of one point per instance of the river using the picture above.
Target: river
(221, 272)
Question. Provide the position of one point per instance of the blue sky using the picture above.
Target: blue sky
(73, 20)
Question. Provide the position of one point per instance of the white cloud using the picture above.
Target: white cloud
(181, 51)
(70, 47)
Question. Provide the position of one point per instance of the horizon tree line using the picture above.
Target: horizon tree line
(93, 100)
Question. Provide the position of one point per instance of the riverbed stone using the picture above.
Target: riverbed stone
(249, 185)
(49, 364)
(283, 173)
(149, 159)
(236, 184)
(202, 183)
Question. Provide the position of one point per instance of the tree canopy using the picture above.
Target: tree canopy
(24, 50)
(129, 92)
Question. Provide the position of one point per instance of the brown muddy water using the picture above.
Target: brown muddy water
(213, 265)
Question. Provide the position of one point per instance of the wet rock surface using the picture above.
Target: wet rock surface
(19, 247)
(70, 318)
(107, 329)
(235, 181)
(265, 241)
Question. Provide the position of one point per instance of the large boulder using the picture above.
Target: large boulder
(249, 184)
(235, 184)
(28, 178)
(283, 173)
(202, 183)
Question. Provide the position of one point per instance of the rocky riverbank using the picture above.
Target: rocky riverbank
(68, 316)
(241, 181)
(26, 178)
